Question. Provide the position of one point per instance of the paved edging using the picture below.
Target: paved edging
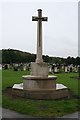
(6, 113)
(73, 115)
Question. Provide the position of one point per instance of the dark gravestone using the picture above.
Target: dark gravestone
(53, 67)
(70, 69)
(15, 68)
(6, 66)
(79, 71)
(21, 67)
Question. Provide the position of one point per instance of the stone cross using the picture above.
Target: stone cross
(39, 20)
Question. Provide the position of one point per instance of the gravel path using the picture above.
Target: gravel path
(6, 113)
(0, 113)
(73, 115)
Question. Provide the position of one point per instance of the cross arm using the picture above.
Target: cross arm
(34, 18)
(44, 18)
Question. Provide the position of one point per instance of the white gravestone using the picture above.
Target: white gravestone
(55, 69)
(66, 69)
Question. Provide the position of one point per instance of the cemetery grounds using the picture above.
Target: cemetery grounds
(40, 108)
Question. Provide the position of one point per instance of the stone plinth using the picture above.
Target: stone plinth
(38, 82)
(39, 69)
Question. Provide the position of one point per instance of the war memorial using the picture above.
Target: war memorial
(39, 85)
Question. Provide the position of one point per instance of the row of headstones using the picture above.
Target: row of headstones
(65, 69)
(17, 67)
(52, 69)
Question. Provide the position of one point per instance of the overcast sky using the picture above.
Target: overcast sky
(60, 32)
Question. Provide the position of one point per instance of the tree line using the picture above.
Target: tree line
(15, 56)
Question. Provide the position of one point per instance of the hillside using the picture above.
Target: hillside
(17, 56)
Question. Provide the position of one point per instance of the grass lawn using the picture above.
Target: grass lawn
(45, 108)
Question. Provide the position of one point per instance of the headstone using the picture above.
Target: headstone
(75, 69)
(50, 70)
(79, 71)
(5, 66)
(70, 69)
(16, 67)
(55, 69)
(62, 68)
(66, 69)
(0, 66)
(24, 68)
(21, 67)
(8, 66)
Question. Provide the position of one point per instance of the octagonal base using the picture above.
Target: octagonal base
(61, 91)
(38, 82)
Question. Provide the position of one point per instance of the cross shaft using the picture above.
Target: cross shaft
(39, 20)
